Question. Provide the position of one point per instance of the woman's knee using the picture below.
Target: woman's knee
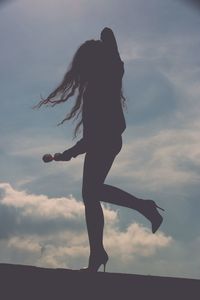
(86, 194)
(90, 194)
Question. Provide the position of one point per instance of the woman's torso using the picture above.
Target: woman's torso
(103, 118)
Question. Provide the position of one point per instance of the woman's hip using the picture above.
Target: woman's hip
(106, 145)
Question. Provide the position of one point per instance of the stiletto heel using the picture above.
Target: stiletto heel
(160, 207)
(96, 262)
(157, 218)
(104, 267)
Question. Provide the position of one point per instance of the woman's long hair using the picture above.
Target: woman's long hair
(76, 78)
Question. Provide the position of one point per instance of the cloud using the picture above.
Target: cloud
(65, 243)
(169, 158)
(135, 241)
(40, 206)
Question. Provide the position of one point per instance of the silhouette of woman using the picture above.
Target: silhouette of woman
(96, 72)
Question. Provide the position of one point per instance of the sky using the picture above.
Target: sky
(41, 210)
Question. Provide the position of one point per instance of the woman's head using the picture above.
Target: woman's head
(86, 61)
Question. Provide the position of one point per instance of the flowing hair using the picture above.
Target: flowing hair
(76, 78)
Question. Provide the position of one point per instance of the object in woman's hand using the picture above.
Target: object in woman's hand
(47, 158)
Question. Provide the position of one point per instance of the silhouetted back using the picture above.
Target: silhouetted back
(103, 117)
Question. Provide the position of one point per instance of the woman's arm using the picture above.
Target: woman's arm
(109, 40)
(78, 148)
(74, 151)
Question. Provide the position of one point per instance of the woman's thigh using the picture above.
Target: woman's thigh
(96, 167)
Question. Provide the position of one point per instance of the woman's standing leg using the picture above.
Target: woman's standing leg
(96, 168)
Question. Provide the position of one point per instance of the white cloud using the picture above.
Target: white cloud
(160, 160)
(70, 244)
(29, 244)
(135, 241)
(40, 205)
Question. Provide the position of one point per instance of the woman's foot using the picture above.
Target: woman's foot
(95, 261)
(149, 210)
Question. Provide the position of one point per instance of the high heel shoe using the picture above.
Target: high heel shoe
(152, 214)
(95, 262)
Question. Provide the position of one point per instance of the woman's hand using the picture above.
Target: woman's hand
(58, 157)
(109, 42)
(106, 34)
(65, 156)
(108, 38)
